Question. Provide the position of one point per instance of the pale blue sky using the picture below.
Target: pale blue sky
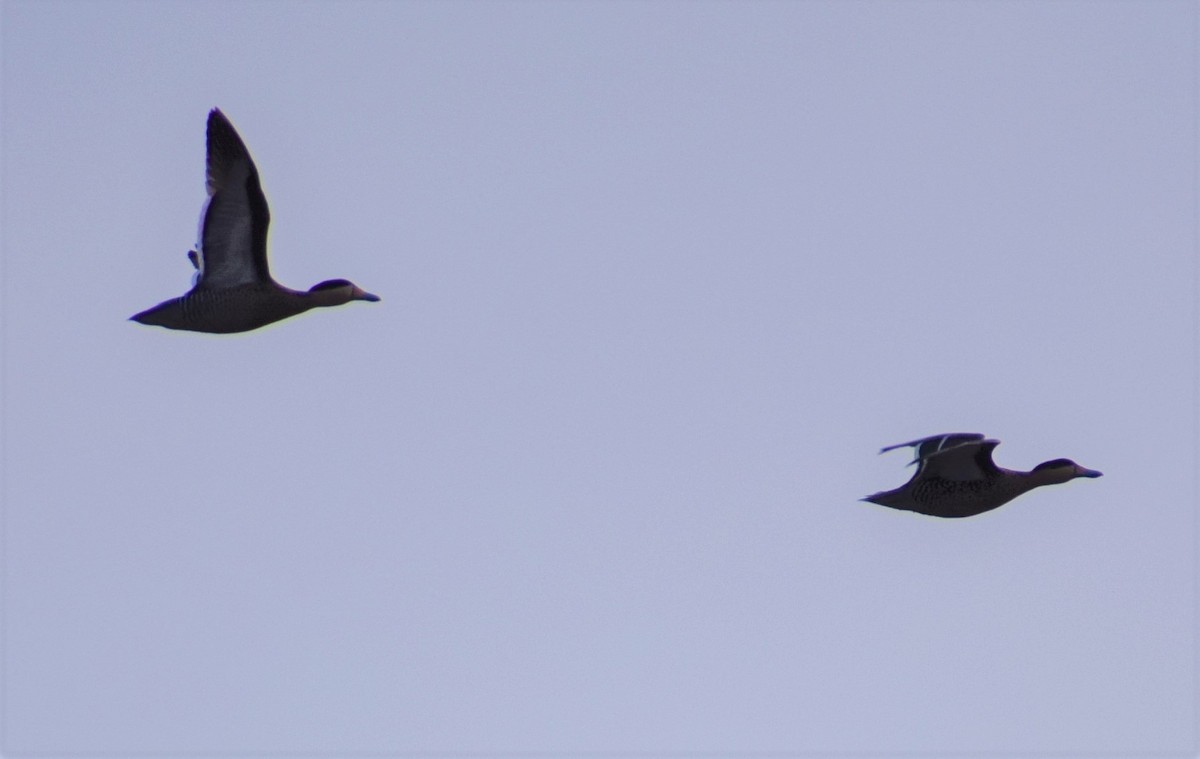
(658, 281)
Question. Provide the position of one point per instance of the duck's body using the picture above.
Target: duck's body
(233, 290)
(245, 307)
(956, 477)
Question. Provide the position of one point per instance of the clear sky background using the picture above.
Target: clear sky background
(659, 279)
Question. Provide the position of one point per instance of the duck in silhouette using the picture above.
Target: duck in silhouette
(956, 477)
(232, 290)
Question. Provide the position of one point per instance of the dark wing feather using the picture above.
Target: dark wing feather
(233, 232)
(927, 446)
(968, 461)
(983, 458)
(953, 456)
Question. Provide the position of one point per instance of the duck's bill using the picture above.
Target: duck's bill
(1084, 472)
(360, 294)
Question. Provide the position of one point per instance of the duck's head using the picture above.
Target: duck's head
(335, 292)
(1062, 470)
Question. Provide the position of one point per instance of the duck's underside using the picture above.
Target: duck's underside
(238, 309)
(946, 498)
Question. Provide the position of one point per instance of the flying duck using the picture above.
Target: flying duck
(956, 477)
(232, 289)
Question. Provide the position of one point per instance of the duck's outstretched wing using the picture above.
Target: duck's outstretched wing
(953, 456)
(233, 224)
(927, 446)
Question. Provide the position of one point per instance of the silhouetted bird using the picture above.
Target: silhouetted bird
(232, 290)
(956, 477)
